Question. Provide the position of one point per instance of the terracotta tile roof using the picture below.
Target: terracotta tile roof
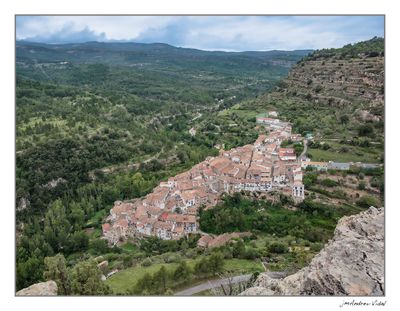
(226, 237)
(191, 210)
(204, 240)
(121, 223)
(162, 225)
(141, 211)
(163, 216)
(181, 218)
(106, 227)
(155, 211)
(188, 195)
(170, 204)
(185, 185)
(178, 230)
(121, 207)
(220, 163)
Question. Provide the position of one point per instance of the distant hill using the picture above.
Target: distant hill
(159, 54)
(370, 48)
(332, 92)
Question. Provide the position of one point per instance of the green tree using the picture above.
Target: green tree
(367, 201)
(144, 285)
(216, 263)
(361, 185)
(239, 249)
(344, 119)
(86, 279)
(76, 216)
(79, 241)
(278, 248)
(182, 272)
(201, 266)
(56, 226)
(56, 270)
(366, 130)
(29, 271)
(98, 246)
(160, 279)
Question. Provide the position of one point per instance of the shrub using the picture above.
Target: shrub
(252, 253)
(318, 88)
(361, 185)
(367, 201)
(366, 130)
(147, 262)
(329, 183)
(278, 248)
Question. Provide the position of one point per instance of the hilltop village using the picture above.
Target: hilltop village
(169, 212)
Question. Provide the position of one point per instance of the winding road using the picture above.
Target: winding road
(217, 283)
(305, 148)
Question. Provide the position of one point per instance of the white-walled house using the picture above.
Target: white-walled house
(298, 191)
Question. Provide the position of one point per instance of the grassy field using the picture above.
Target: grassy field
(239, 111)
(126, 279)
(331, 155)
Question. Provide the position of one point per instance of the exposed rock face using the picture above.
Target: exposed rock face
(352, 263)
(48, 288)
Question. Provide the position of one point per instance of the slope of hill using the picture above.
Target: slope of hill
(333, 92)
(100, 122)
(97, 123)
(338, 96)
(152, 54)
(352, 263)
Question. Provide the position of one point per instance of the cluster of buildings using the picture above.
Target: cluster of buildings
(340, 166)
(169, 212)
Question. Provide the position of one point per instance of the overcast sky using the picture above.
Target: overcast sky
(230, 33)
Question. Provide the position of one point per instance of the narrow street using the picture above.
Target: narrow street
(305, 149)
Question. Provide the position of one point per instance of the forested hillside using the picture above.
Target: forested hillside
(99, 122)
(338, 96)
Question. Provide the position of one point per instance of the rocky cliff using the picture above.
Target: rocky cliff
(48, 288)
(352, 263)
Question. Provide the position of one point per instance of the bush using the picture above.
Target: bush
(278, 248)
(367, 201)
(171, 258)
(147, 262)
(361, 185)
(310, 179)
(316, 247)
(366, 130)
(182, 272)
(98, 247)
(329, 183)
(216, 263)
(252, 253)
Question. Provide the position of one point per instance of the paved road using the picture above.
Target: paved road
(212, 284)
(217, 283)
(305, 148)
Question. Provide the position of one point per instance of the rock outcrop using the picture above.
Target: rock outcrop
(48, 288)
(352, 263)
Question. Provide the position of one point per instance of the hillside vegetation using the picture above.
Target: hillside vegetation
(338, 96)
(96, 123)
(100, 122)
